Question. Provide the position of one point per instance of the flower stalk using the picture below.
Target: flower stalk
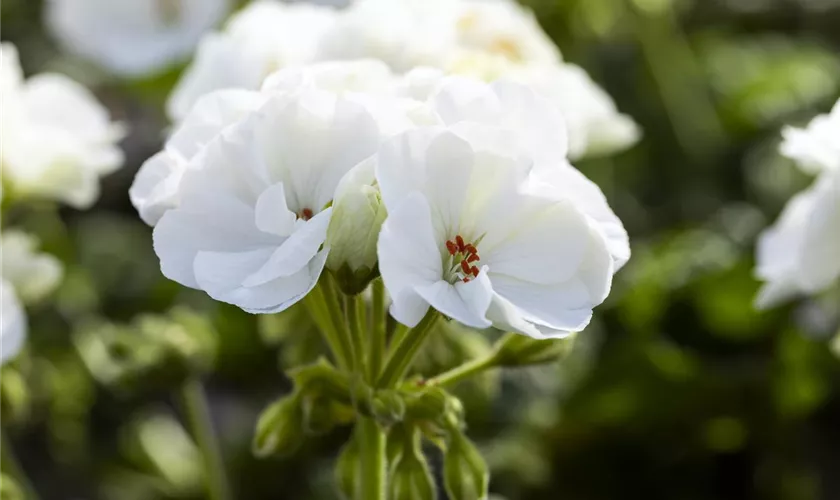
(404, 352)
(372, 442)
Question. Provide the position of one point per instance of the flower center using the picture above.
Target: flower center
(463, 260)
(305, 214)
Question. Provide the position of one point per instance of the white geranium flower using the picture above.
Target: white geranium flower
(799, 254)
(254, 211)
(816, 147)
(471, 233)
(133, 37)
(33, 274)
(596, 127)
(264, 37)
(155, 189)
(12, 323)
(57, 139)
(504, 28)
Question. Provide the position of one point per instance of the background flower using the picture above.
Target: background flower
(12, 323)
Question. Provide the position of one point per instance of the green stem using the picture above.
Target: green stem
(197, 414)
(463, 371)
(356, 320)
(336, 314)
(377, 337)
(316, 305)
(372, 442)
(404, 353)
(12, 467)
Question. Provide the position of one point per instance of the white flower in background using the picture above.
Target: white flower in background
(264, 37)
(596, 127)
(57, 139)
(471, 233)
(799, 254)
(253, 214)
(133, 37)
(155, 189)
(33, 274)
(12, 323)
(816, 147)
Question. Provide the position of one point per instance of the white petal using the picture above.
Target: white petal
(464, 302)
(272, 212)
(12, 323)
(155, 188)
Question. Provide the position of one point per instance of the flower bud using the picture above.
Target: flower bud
(519, 350)
(279, 428)
(358, 214)
(9, 489)
(388, 407)
(465, 472)
(411, 478)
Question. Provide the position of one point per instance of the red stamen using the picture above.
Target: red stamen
(470, 248)
(460, 242)
(474, 271)
(466, 280)
(452, 247)
(465, 267)
(472, 258)
(306, 214)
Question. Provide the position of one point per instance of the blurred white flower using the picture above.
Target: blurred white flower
(133, 37)
(471, 233)
(57, 139)
(799, 254)
(264, 37)
(12, 323)
(155, 188)
(33, 274)
(596, 127)
(816, 147)
(254, 211)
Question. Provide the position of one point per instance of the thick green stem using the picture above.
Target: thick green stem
(464, 371)
(316, 304)
(197, 413)
(403, 354)
(336, 314)
(12, 467)
(377, 334)
(372, 442)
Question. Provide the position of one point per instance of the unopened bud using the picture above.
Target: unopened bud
(279, 428)
(348, 469)
(388, 407)
(465, 472)
(519, 350)
(358, 214)
(411, 478)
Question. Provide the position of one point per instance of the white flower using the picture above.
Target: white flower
(504, 28)
(155, 189)
(471, 233)
(262, 38)
(253, 212)
(57, 139)
(133, 37)
(12, 323)
(799, 254)
(817, 147)
(33, 274)
(596, 127)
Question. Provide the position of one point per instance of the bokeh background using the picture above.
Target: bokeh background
(679, 390)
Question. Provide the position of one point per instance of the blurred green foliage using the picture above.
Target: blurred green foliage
(679, 390)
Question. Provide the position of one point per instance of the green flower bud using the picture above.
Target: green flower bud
(279, 428)
(15, 400)
(518, 350)
(465, 472)
(9, 489)
(388, 407)
(348, 469)
(321, 378)
(410, 478)
(358, 214)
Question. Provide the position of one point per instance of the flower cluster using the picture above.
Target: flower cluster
(487, 40)
(799, 254)
(457, 191)
(132, 37)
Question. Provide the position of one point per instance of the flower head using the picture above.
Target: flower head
(57, 139)
(133, 37)
(31, 273)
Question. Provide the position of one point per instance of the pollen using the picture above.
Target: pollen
(462, 256)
